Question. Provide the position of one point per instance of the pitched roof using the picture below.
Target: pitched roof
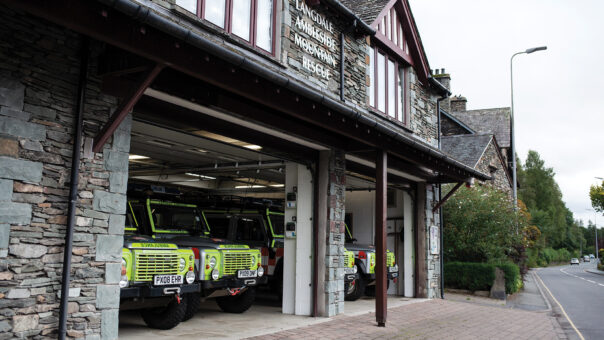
(494, 121)
(367, 10)
(467, 149)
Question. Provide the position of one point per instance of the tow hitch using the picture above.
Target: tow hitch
(235, 291)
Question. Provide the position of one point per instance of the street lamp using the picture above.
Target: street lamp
(512, 134)
(596, 231)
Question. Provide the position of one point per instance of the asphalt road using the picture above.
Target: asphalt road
(581, 294)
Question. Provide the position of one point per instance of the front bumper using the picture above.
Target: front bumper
(231, 282)
(148, 290)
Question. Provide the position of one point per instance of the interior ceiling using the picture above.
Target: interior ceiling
(204, 160)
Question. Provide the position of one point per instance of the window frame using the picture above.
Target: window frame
(228, 27)
(400, 99)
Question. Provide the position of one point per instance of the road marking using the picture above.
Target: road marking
(591, 281)
(561, 308)
(601, 284)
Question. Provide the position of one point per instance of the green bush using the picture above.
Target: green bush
(513, 280)
(469, 275)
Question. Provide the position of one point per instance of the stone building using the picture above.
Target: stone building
(479, 138)
(166, 92)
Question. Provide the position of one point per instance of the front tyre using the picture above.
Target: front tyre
(356, 290)
(193, 303)
(238, 303)
(166, 317)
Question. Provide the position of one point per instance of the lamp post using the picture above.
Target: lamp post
(512, 132)
(596, 231)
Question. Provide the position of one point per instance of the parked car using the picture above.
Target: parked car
(262, 228)
(365, 258)
(574, 260)
(586, 258)
(224, 270)
(154, 278)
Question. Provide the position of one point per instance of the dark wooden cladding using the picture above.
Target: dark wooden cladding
(381, 162)
(419, 232)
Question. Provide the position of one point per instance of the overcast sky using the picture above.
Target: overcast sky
(558, 93)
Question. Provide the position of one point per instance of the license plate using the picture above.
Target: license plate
(348, 270)
(392, 269)
(164, 280)
(244, 274)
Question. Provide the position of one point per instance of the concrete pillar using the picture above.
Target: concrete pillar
(297, 269)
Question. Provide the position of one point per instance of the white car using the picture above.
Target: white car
(574, 260)
(586, 258)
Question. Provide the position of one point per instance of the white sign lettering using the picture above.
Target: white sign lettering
(319, 30)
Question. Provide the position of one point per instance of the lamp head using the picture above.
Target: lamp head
(535, 49)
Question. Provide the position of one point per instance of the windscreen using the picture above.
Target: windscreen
(180, 219)
(277, 223)
(219, 225)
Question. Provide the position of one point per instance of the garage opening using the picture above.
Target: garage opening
(191, 183)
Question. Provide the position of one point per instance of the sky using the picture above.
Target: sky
(558, 93)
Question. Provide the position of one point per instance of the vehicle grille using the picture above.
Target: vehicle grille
(148, 265)
(390, 259)
(236, 261)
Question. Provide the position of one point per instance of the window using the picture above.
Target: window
(219, 225)
(249, 229)
(392, 29)
(277, 222)
(387, 85)
(251, 20)
(182, 219)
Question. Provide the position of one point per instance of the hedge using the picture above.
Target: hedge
(513, 280)
(469, 275)
(480, 276)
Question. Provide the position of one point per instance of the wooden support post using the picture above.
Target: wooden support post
(380, 237)
(447, 196)
(126, 106)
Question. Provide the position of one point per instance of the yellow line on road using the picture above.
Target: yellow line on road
(561, 308)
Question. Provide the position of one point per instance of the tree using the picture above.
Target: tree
(596, 194)
(480, 226)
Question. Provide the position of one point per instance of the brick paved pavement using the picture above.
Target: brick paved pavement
(434, 319)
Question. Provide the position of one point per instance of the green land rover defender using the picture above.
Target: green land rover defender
(154, 278)
(226, 271)
(365, 259)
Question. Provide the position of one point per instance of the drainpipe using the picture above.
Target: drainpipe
(440, 210)
(73, 190)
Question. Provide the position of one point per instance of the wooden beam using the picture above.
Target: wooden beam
(447, 196)
(381, 175)
(126, 106)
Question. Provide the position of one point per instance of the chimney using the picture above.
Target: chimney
(445, 79)
(458, 103)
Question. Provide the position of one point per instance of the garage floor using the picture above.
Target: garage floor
(263, 318)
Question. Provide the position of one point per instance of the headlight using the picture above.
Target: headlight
(213, 262)
(253, 261)
(190, 277)
(260, 271)
(124, 281)
(215, 274)
(124, 267)
(355, 270)
(182, 264)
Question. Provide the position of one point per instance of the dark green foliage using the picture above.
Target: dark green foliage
(470, 276)
(513, 280)
(480, 226)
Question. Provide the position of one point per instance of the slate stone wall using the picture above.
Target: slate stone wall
(432, 261)
(490, 163)
(39, 70)
(334, 251)
(424, 121)
(355, 54)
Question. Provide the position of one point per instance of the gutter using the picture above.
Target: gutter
(145, 15)
(73, 188)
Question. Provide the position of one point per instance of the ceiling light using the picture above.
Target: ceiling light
(277, 185)
(249, 186)
(253, 147)
(161, 143)
(198, 175)
(197, 151)
(135, 157)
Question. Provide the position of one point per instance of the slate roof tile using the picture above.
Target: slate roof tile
(494, 121)
(466, 148)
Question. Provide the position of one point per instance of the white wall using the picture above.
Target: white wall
(297, 260)
(362, 206)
